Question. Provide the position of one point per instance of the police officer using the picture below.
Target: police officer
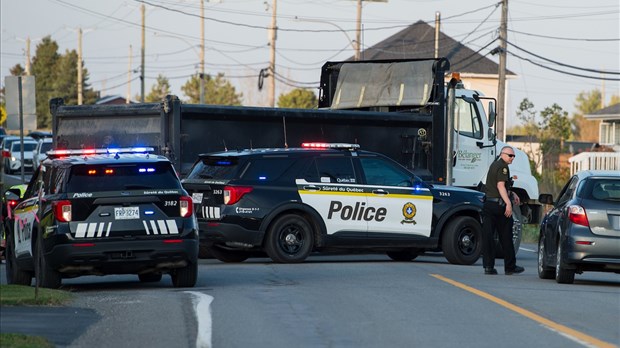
(497, 213)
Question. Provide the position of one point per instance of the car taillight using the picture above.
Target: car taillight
(186, 205)
(232, 194)
(6, 154)
(62, 211)
(577, 215)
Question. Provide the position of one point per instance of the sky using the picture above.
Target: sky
(551, 41)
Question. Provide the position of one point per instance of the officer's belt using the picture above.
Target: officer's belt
(493, 199)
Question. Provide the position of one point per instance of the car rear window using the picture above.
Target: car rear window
(120, 177)
(266, 169)
(224, 168)
(603, 189)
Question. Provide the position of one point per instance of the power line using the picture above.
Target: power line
(564, 72)
(561, 38)
(563, 64)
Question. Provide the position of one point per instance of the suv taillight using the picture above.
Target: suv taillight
(62, 211)
(186, 205)
(232, 194)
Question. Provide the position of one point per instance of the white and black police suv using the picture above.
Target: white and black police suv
(104, 211)
(291, 202)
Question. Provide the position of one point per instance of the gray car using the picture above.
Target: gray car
(582, 231)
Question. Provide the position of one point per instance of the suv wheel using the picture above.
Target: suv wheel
(14, 275)
(461, 241)
(289, 239)
(185, 277)
(49, 278)
(225, 255)
(404, 255)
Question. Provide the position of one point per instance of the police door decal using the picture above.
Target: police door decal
(343, 207)
(408, 210)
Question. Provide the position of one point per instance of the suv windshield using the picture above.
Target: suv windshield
(119, 177)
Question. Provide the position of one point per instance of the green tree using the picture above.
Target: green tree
(44, 69)
(586, 103)
(159, 91)
(3, 114)
(298, 98)
(218, 90)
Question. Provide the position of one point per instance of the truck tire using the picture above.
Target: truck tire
(14, 274)
(404, 255)
(48, 277)
(185, 277)
(517, 233)
(289, 239)
(461, 240)
(231, 256)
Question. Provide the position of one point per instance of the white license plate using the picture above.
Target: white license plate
(126, 213)
(197, 197)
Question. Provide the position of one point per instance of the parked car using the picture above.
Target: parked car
(15, 163)
(44, 145)
(7, 142)
(582, 231)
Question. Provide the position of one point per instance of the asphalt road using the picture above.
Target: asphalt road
(335, 301)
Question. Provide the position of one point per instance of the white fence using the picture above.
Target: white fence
(594, 161)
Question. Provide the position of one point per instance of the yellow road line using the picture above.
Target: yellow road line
(574, 334)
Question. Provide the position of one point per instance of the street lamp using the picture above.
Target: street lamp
(202, 62)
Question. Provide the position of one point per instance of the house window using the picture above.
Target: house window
(609, 133)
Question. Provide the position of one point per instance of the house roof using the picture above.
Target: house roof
(611, 112)
(111, 99)
(418, 41)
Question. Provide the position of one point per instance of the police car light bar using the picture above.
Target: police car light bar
(74, 152)
(330, 146)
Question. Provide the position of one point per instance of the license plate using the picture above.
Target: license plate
(126, 213)
(197, 197)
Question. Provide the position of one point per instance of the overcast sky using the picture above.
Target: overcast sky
(557, 34)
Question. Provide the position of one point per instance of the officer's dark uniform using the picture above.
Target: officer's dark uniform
(494, 218)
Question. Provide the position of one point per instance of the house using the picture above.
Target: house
(418, 41)
(607, 156)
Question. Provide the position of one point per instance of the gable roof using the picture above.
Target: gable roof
(418, 41)
(611, 112)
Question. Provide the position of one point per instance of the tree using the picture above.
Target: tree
(298, 98)
(218, 90)
(587, 103)
(44, 69)
(159, 91)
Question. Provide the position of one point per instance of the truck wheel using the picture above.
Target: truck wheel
(404, 255)
(461, 240)
(49, 278)
(517, 232)
(14, 275)
(185, 277)
(149, 277)
(289, 239)
(563, 275)
(544, 271)
(225, 255)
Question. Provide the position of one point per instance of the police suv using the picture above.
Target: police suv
(104, 211)
(289, 202)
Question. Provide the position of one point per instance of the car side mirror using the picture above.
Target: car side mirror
(545, 198)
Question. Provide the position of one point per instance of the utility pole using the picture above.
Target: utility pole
(272, 61)
(358, 29)
(142, 77)
(437, 23)
(128, 97)
(79, 69)
(501, 90)
(202, 52)
(28, 71)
